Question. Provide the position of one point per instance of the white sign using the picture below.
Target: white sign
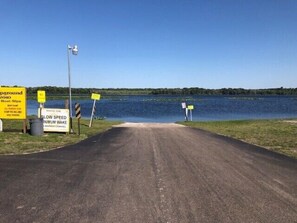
(184, 105)
(55, 120)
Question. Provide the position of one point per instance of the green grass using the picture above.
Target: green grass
(13, 141)
(276, 135)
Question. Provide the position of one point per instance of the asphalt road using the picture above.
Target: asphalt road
(150, 173)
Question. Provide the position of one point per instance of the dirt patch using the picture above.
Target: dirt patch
(149, 125)
(291, 121)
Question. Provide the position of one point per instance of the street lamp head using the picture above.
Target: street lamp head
(75, 50)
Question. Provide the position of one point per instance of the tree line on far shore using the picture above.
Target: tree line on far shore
(227, 91)
(50, 90)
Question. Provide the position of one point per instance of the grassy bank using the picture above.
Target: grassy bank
(277, 135)
(13, 141)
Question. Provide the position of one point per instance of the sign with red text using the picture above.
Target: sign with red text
(13, 104)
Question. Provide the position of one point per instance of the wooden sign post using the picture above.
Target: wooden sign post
(78, 116)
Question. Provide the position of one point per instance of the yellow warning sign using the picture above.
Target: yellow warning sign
(190, 107)
(95, 96)
(41, 98)
(13, 103)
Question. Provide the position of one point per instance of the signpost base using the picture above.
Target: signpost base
(78, 123)
(25, 126)
(71, 129)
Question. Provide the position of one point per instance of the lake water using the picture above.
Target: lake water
(168, 108)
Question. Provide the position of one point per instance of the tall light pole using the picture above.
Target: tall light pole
(74, 51)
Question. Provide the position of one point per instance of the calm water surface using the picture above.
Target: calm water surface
(168, 108)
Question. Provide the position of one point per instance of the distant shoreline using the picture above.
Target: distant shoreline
(85, 92)
(115, 96)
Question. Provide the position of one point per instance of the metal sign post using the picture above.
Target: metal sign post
(191, 107)
(41, 98)
(95, 97)
(92, 114)
(184, 106)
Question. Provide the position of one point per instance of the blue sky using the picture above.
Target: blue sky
(150, 43)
